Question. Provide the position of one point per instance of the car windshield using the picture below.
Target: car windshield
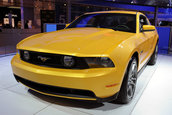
(115, 21)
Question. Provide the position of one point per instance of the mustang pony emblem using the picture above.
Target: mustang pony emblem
(43, 59)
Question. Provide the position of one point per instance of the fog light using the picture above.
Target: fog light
(26, 55)
(68, 61)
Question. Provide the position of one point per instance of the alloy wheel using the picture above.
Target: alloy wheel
(156, 52)
(132, 78)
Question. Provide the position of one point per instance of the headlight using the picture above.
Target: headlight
(26, 55)
(68, 61)
(98, 62)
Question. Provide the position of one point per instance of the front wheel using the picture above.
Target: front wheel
(154, 56)
(129, 83)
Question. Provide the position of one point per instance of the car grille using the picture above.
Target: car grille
(56, 90)
(54, 60)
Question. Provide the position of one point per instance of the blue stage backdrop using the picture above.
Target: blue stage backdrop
(164, 35)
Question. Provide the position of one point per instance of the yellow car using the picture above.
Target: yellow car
(96, 57)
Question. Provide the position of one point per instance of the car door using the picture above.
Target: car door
(151, 38)
(144, 39)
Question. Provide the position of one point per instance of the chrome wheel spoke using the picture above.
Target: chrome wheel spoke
(130, 91)
(131, 83)
(156, 52)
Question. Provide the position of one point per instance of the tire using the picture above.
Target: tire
(153, 58)
(129, 83)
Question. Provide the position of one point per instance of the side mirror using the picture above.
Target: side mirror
(67, 25)
(148, 28)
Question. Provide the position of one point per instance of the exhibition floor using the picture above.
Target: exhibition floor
(153, 95)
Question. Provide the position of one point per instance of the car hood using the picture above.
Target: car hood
(75, 41)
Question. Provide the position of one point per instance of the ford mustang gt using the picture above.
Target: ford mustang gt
(96, 57)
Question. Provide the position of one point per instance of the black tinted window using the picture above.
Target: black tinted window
(119, 22)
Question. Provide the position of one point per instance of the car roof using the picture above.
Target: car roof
(122, 12)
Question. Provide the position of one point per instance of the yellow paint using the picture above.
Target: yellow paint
(148, 27)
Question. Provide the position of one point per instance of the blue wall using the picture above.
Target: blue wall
(54, 27)
(164, 36)
(51, 27)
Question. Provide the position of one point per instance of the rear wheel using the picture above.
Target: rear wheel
(129, 83)
(154, 56)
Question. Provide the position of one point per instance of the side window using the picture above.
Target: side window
(142, 21)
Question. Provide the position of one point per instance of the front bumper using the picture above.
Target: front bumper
(89, 80)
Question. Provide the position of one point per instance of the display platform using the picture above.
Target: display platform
(152, 97)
